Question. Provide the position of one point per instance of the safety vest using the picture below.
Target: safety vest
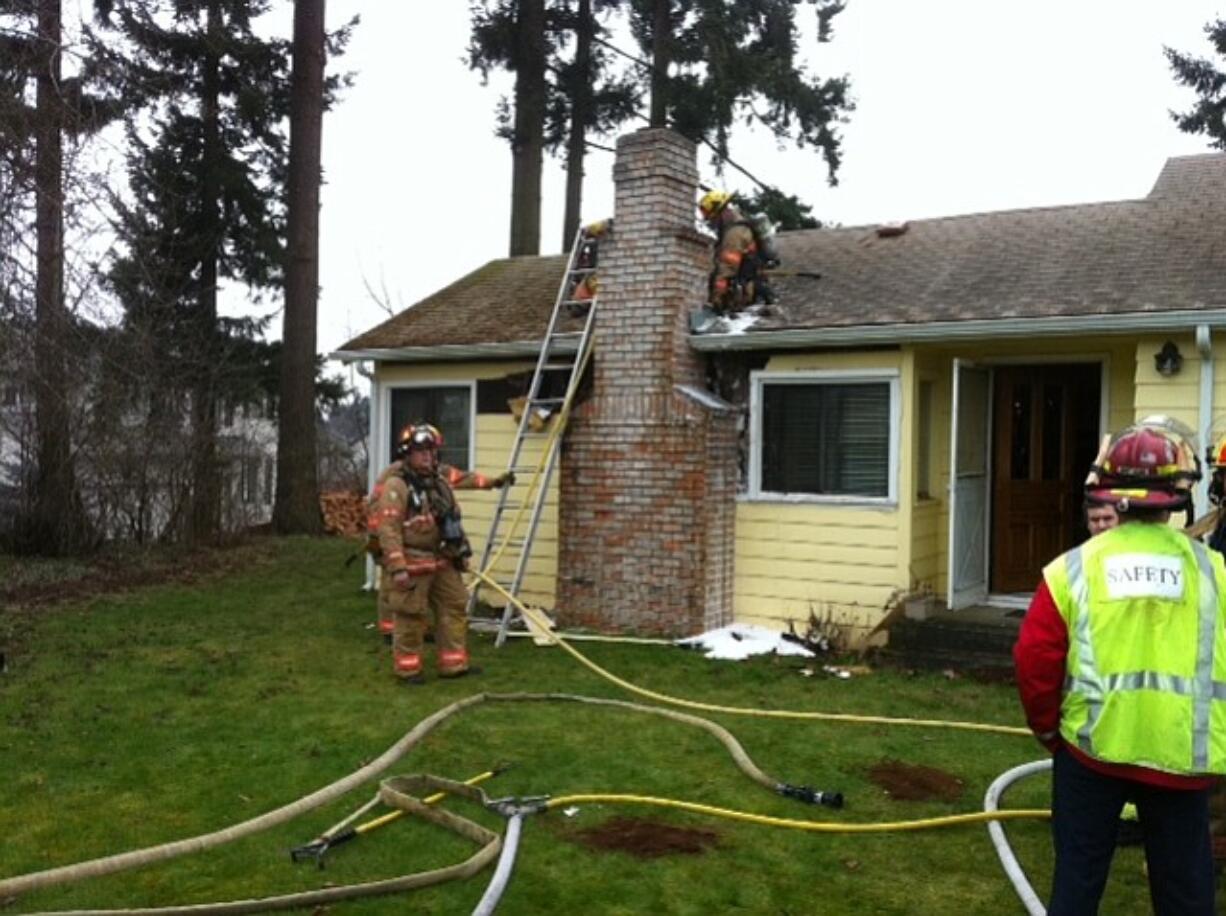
(1145, 680)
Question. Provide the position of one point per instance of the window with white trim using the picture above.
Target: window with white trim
(827, 435)
(448, 407)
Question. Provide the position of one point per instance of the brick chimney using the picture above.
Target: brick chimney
(648, 482)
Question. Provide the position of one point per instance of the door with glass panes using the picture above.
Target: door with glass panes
(1046, 420)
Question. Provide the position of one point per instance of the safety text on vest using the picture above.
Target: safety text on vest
(1142, 575)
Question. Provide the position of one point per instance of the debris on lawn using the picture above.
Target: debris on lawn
(571, 811)
(844, 672)
(908, 782)
(646, 839)
(740, 640)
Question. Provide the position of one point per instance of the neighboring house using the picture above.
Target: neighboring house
(918, 419)
(16, 442)
(247, 446)
(132, 471)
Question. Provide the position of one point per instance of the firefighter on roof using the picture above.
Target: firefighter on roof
(741, 254)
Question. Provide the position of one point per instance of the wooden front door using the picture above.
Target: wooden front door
(1045, 435)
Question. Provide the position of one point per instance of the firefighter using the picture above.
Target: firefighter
(1217, 492)
(1116, 671)
(736, 275)
(423, 549)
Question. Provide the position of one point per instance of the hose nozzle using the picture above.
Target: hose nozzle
(811, 796)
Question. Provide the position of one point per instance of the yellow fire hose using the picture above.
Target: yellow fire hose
(489, 850)
(539, 623)
(108, 865)
(927, 823)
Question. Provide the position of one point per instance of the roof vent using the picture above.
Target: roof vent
(890, 230)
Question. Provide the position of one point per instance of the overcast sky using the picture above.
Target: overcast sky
(962, 106)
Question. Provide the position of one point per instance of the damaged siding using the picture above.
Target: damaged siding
(493, 435)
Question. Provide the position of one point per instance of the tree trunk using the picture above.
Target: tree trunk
(527, 142)
(206, 474)
(580, 118)
(661, 34)
(56, 524)
(297, 506)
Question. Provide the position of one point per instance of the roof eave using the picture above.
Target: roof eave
(942, 331)
(566, 344)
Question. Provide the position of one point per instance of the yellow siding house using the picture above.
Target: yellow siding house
(918, 421)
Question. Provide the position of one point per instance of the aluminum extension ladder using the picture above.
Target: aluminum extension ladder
(504, 542)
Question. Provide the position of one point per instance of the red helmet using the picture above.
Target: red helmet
(1145, 466)
(418, 436)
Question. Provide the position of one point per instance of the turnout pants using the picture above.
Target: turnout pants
(1086, 809)
(384, 606)
(443, 594)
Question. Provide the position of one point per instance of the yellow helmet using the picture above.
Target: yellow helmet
(713, 202)
(1217, 453)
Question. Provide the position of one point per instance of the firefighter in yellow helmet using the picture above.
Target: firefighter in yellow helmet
(1216, 459)
(735, 274)
(422, 549)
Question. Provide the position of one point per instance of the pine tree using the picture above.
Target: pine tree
(513, 35)
(559, 98)
(32, 150)
(296, 510)
(592, 98)
(206, 167)
(1208, 115)
(714, 62)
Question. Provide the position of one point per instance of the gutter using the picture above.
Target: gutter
(372, 467)
(563, 344)
(945, 331)
(1204, 347)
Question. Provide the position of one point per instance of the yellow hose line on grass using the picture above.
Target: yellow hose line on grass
(539, 620)
(950, 820)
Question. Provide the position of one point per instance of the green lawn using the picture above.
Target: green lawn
(175, 710)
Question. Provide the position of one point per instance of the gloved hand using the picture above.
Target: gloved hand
(504, 480)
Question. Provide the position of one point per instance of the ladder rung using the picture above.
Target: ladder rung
(556, 367)
(582, 270)
(535, 402)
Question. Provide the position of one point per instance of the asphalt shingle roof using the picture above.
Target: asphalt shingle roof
(504, 301)
(1165, 251)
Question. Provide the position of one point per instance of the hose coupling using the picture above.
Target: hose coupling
(512, 806)
(811, 796)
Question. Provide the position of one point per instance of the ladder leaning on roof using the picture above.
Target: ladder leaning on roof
(552, 364)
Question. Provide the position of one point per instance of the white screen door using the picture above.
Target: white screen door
(968, 485)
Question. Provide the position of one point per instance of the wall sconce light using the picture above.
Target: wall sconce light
(1168, 361)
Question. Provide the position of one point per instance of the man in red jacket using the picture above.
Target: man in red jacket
(1098, 669)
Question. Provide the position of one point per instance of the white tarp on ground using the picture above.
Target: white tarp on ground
(741, 640)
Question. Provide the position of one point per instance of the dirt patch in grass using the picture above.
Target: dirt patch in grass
(645, 839)
(31, 587)
(38, 583)
(907, 782)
